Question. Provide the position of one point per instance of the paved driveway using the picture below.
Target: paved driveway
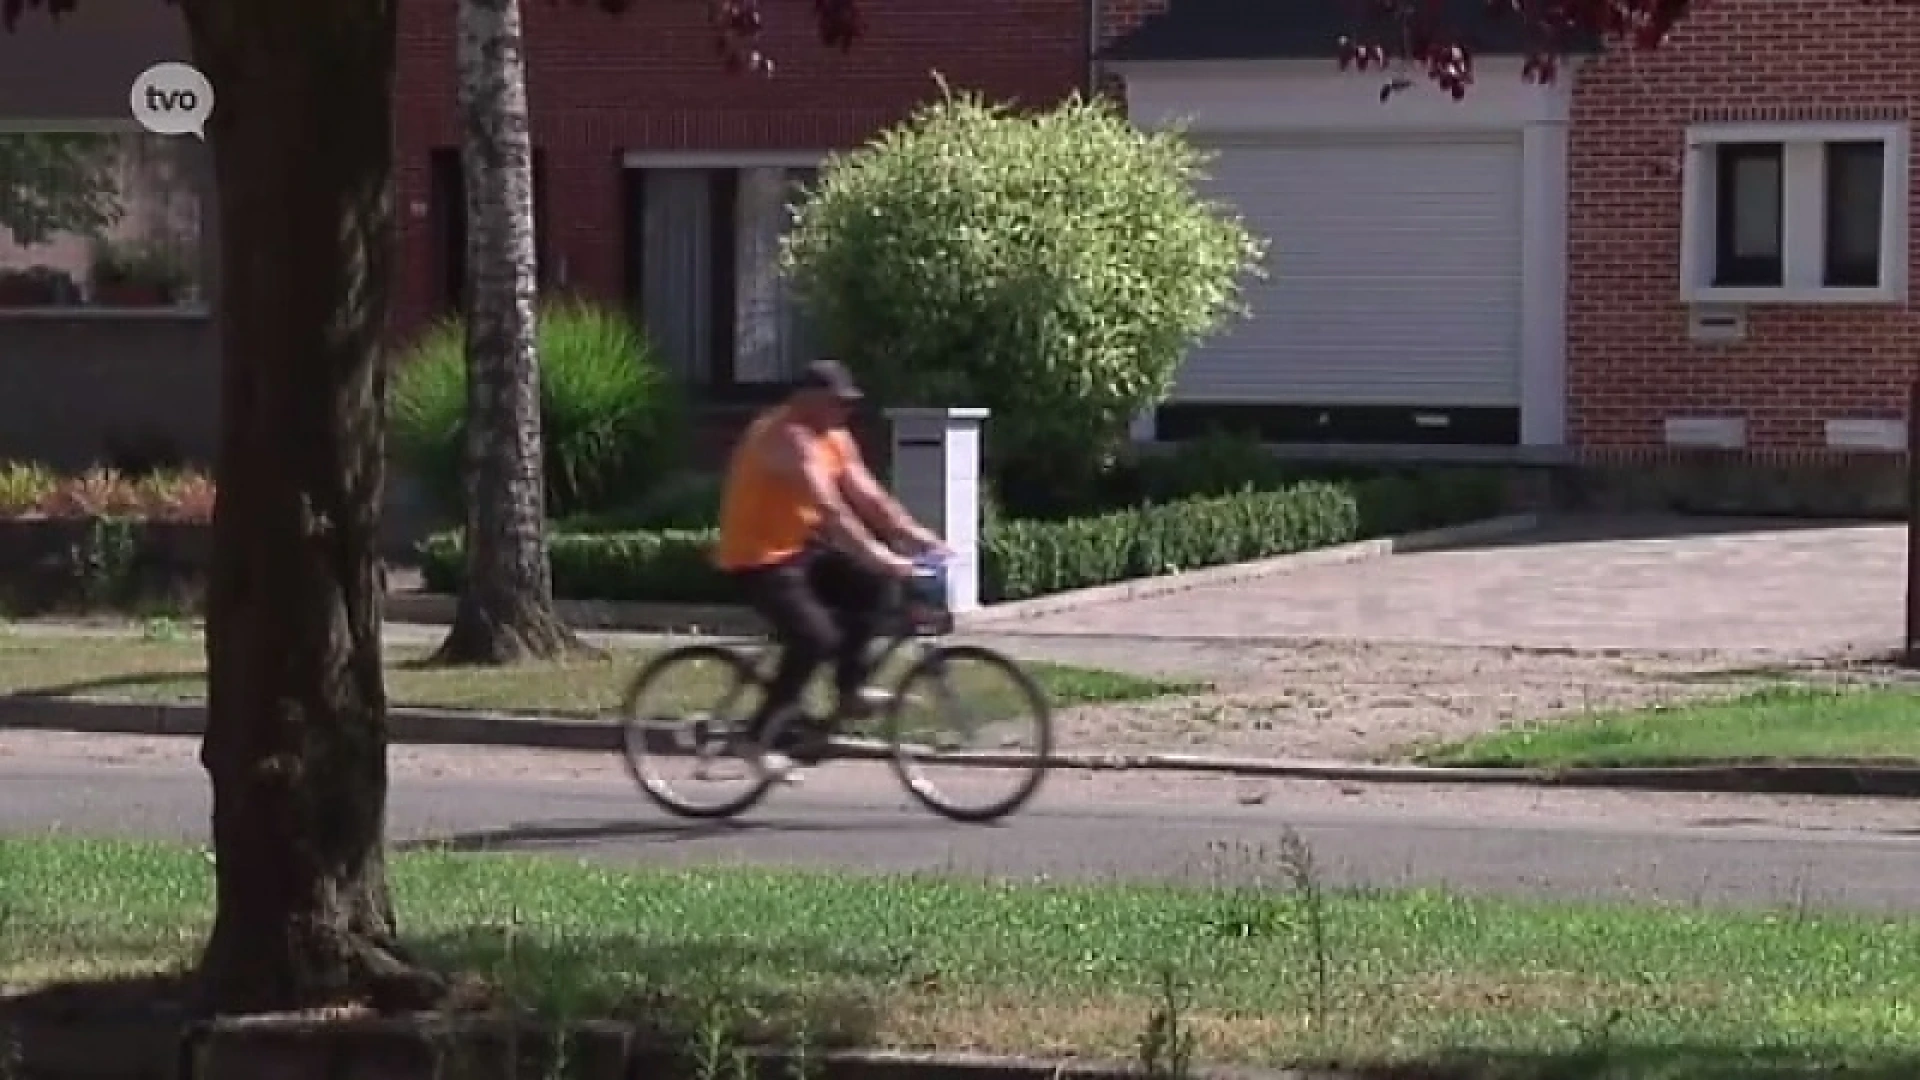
(1664, 584)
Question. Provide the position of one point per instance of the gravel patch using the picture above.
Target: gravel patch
(1369, 700)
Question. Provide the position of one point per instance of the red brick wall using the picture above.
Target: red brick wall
(1118, 17)
(1629, 361)
(649, 80)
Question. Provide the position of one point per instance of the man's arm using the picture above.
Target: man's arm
(792, 454)
(872, 502)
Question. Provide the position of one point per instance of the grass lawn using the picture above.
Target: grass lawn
(1551, 991)
(173, 668)
(1778, 724)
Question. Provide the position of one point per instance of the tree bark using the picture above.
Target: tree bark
(296, 733)
(506, 611)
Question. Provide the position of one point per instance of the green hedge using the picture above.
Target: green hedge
(1021, 559)
(671, 567)
(1032, 558)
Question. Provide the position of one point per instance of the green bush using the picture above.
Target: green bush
(681, 501)
(1021, 559)
(1216, 464)
(1018, 558)
(1408, 500)
(1055, 267)
(610, 412)
(670, 567)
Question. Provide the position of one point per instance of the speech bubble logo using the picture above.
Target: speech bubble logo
(172, 99)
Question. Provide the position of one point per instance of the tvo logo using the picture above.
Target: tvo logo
(172, 99)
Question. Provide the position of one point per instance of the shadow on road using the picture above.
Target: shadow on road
(534, 836)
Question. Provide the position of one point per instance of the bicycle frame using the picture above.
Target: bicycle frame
(907, 622)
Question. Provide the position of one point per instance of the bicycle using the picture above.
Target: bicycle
(911, 623)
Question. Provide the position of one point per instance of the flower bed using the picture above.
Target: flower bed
(102, 540)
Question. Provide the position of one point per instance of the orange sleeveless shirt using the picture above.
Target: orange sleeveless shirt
(765, 515)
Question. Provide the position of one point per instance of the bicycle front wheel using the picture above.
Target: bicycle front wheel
(683, 728)
(971, 733)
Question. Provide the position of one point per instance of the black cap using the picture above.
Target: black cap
(831, 376)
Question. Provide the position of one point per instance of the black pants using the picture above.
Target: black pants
(822, 605)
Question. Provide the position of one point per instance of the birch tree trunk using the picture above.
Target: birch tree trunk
(505, 612)
(296, 736)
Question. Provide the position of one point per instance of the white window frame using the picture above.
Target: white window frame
(1803, 213)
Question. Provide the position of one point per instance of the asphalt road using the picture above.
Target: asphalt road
(1680, 849)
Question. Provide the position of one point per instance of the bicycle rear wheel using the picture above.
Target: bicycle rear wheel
(686, 711)
(971, 733)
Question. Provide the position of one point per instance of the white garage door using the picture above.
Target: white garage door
(1394, 275)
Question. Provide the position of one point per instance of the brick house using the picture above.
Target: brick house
(663, 181)
(85, 374)
(1633, 277)
(1679, 276)
(1740, 255)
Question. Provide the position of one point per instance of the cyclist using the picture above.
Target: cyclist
(814, 540)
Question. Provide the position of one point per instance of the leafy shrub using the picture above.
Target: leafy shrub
(24, 487)
(1018, 558)
(1021, 559)
(610, 412)
(681, 501)
(95, 493)
(1216, 464)
(673, 567)
(1054, 267)
(178, 495)
(1409, 500)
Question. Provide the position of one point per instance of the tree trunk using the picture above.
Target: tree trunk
(296, 729)
(506, 611)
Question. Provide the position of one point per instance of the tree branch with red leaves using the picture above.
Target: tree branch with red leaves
(1409, 39)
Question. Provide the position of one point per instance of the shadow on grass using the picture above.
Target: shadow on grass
(1656, 1062)
(669, 993)
(108, 682)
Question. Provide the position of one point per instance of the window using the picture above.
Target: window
(1747, 241)
(1794, 213)
(448, 200)
(1855, 203)
(101, 220)
(704, 271)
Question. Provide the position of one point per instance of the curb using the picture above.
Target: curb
(436, 609)
(454, 727)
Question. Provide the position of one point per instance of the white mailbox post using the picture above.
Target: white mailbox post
(936, 475)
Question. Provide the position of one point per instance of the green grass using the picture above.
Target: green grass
(173, 668)
(1552, 990)
(1774, 725)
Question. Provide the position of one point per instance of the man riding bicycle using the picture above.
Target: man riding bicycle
(811, 537)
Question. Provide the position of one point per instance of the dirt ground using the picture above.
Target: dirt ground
(1368, 701)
